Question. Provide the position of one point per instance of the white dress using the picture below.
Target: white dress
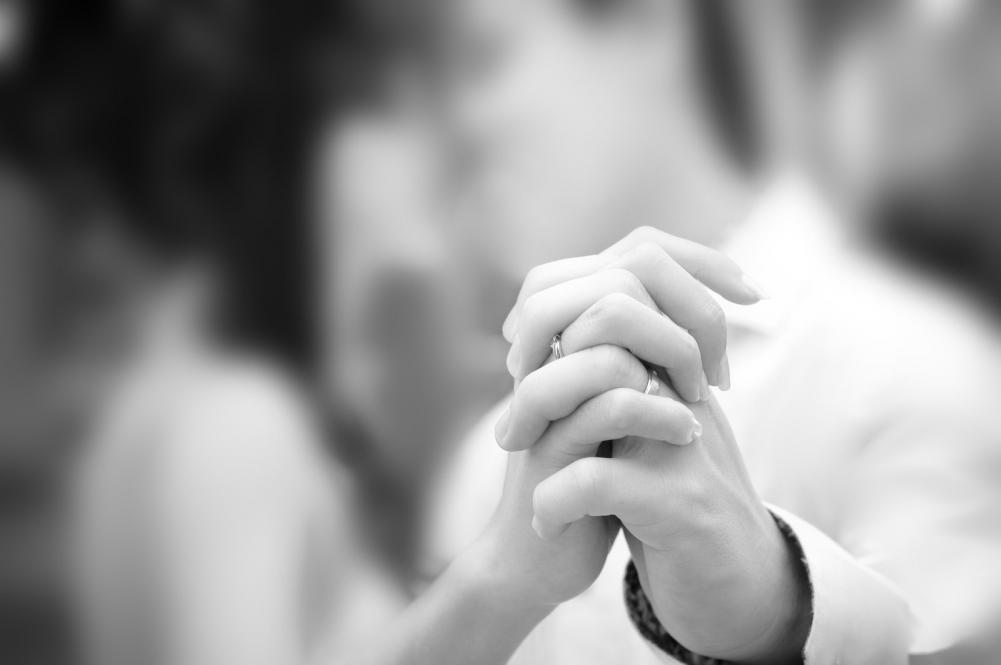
(210, 525)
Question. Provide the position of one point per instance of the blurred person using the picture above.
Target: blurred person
(408, 359)
(885, 473)
(169, 145)
(401, 352)
(578, 121)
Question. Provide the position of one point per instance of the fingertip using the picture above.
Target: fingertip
(505, 442)
(696, 430)
(547, 531)
(723, 373)
(514, 357)
(502, 426)
(700, 392)
(713, 375)
(693, 394)
(754, 288)
(509, 326)
(740, 288)
(513, 441)
(690, 432)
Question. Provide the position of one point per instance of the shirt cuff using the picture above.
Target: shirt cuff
(642, 615)
(857, 617)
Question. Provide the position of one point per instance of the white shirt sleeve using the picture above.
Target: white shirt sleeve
(911, 574)
(858, 617)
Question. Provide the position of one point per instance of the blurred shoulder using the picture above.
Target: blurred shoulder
(245, 390)
(242, 423)
(470, 488)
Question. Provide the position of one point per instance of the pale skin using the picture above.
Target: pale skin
(718, 571)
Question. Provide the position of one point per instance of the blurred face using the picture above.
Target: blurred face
(557, 103)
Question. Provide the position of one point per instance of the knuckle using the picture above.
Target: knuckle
(598, 313)
(530, 394)
(606, 356)
(531, 310)
(533, 279)
(618, 303)
(608, 309)
(643, 234)
(627, 283)
(619, 411)
(587, 479)
(541, 498)
(620, 365)
(649, 252)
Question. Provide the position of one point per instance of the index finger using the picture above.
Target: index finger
(711, 267)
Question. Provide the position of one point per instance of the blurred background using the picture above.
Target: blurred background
(326, 208)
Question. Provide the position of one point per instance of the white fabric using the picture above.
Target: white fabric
(866, 403)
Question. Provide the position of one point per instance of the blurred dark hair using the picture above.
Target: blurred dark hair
(826, 22)
(720, 52)
(192, 122)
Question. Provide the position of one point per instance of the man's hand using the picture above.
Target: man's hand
(718, 572)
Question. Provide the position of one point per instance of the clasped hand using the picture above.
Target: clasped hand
(717, 570)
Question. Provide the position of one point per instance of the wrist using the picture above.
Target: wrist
(461, 618)
(482, 577)
(788, 592)
(757, 612)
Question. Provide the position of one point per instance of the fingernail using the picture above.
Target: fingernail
(547, 532)
(755, 288)
(514, 357)
(704, 389)
(724, 373)
(696, 431)
(509, 324)
(500, 429)
(505, 441)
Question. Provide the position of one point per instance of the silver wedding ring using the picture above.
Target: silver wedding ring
(652, 383)
(557, 346)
